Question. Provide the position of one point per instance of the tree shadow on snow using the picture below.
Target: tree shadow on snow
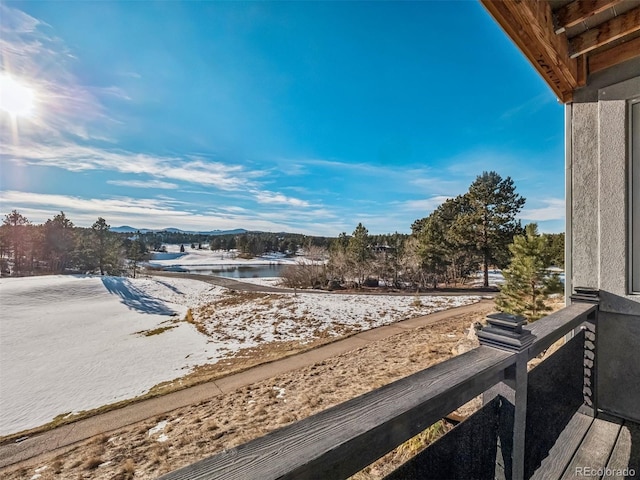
(169, 286)
(134, 298)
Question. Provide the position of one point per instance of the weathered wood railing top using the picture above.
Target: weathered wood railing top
(342, 440)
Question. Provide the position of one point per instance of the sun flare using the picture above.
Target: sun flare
(16, 98)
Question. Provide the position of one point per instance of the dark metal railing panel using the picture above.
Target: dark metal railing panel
(554, 395)
(344, 439)
(467, 451)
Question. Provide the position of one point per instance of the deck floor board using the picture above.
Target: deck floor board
(594, 451)
(624, 462)
(564, 449)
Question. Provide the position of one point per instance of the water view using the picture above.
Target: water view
(239, 271)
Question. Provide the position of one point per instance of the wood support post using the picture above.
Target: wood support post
(505, 332)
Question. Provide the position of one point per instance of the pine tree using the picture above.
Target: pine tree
(527, 283)
(135, 256)
(397, 249)
(555, 243)
(17, 235)
(338, 259)
(136, 252)
(446, 251)
(106, 247)
(59, 242)
(489, 220)
(433, 249)
(359, 253)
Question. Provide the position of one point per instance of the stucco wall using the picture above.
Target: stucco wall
(612, 205)
(584, 247)
(599, 167)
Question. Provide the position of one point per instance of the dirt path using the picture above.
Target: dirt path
(64, 438)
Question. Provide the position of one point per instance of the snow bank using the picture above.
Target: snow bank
(263, 281)
(69, 343)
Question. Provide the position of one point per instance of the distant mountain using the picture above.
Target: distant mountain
(128, 229)
(125, 229)
(237, 231)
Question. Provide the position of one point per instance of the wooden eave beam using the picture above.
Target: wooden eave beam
(529, 23)
(613, 56)
(606, 32)
(579, 10)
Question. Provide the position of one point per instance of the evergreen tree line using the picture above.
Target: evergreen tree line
(464, 234)
(252, 244)
(58, 246)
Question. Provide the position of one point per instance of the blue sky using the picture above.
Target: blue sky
(287, 116)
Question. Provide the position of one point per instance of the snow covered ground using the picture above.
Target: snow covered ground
(495, 279)
(307, 316)
(264, 281)
(71, 343)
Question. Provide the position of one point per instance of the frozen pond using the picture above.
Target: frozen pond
(220, 263)
(238, 271)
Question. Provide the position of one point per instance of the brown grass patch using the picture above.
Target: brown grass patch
(127, 470)
(93, 463)
(233, 298)
(155, 331)
(199, 325)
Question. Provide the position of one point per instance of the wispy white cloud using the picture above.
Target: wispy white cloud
(227, 210)
(362, 168)
(421, 180)
(131, 74)
(160, 213)
(143, 184)
(15, 22)
(530, 106)
(114, 91)
(438, 183)
(279, 199)
(554, 210)
(139, 213)
(150, 206)
(76, 158)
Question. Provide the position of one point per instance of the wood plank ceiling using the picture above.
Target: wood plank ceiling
(568, 40)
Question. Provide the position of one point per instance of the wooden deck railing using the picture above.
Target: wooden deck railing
(342, 440)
